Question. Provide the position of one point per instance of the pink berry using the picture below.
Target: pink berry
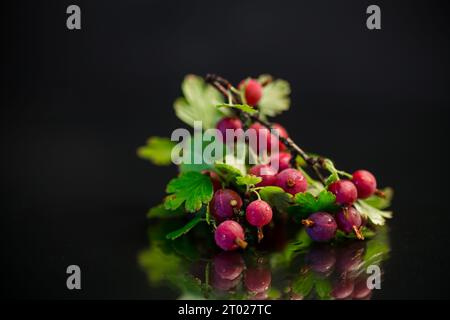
(225, 203)
(291, 181)
(231, 123)
(365, 183)
(258, 213)
(320, 226)
(265, 140)
(345, 192)
(253, 91)
(283, 159)
(349, 220)
(266, 172)
(282, 133)
(229, 236)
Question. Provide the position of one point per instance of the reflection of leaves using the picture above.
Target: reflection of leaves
(303, 284)
(159, 264)
(191, 188)
(323, 288)
(377, 249)
(276, 197)
(157, 150)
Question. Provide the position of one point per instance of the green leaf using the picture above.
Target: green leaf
(158, 150)
(379, 202)
(243, 107)
(276, 197)
(334, 173)
(248, 180)
(160, 211)
(376, 216)
(191, 188)
(228, 172)
(191, 153)
(306, 203)
(275, 97)
(186, 228)
(198, 102)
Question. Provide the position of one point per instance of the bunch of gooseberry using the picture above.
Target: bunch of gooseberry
(227, 204)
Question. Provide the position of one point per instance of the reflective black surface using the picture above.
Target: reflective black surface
(76, 105)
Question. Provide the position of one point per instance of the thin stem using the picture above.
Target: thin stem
(224, 87)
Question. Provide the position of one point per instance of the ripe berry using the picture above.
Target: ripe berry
(229, 236)
(265, 141)
(253, 91)
(266, 172)
(282, 133)
(225, 203)
(215, 179)
(291, 181)
(349, 220)
(365, 183)
(257, 280)
(320, 226)
(228, 265)
(350, 257)
(283, 159)
(258, 214)
(345, 192)
(232, 123)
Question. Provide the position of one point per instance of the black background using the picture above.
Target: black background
(77, 104)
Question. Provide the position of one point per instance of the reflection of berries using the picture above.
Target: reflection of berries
(225, 203)
(229, 236)
(320, 226)
(282, 158)
(365, 183)
(349, 220)
(222, 284)
(232, 123)
(291, 181)
(321, 259)
(253, 91)
(257, 280)
(228, 265)
(266, 172)
(361, 290)
(350, 257)
(342, 289)
(345, 192)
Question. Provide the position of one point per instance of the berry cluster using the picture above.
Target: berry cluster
(238, 203)
(322, 226)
